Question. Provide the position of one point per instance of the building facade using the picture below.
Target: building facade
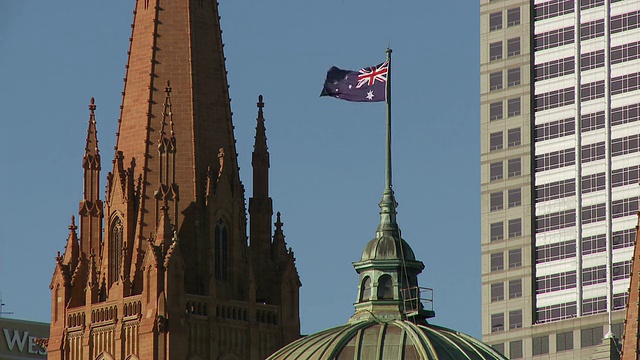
(560, 167)
(162, 267)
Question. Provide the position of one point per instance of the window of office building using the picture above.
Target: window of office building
(495, 141)
(592, 121)
(556, 312)
(625, 83)
(515, 349)
(594, 275)
(552, 8)
(513, 137)
(555, 221)
(513, 107)
(513, 77)
(513, 17)
(555, 251)
(624, 207)
(497, 231)
(555, 129)
(495, 51)
(515, 258)
(515, 319)
(515, 197)
(554, 68)
(554, 99)
(564, 341)
(621, 270)
(588, 4)
(514, 167)
(593, 213)
(593, 182)
(625, 114)
(555, 282)
(497, 291)
(495, 111)
(592, 152)
(625, 22)
(515, 228)
(593, 90)
(625, 176)
(496, 201)
(495, 171)
(591, 60)
(594, 305)
(594, 244)
(592, 29)
(497, 261)
(497, 322)
(499, 347)
(591, 337)
(625, 52)
(513, 47)
(623, 238)
(555, 190)
(495, 81)
(626, 145)
(620, 300)
(541, 345)
(554, 38)
(495, 21)
(515, 289)
(555, 159)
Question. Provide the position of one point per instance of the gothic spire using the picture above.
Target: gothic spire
(72, 250)
(630, 340)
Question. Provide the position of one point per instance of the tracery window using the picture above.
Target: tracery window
(221, 246)
(116, 230)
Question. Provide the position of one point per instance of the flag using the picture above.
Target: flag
(365, 85)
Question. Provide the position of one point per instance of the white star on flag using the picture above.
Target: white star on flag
(370, 95)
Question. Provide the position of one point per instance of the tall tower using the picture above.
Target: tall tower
(172, 275)
(559, 112)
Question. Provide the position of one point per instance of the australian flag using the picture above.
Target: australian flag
(365, 85)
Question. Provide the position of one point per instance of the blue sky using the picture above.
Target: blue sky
(327, 155)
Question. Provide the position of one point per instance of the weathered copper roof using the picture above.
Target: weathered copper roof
(396, 339)
(387, 247)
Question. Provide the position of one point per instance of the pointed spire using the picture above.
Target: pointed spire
(260, 145)
(72, 249)
(279, 245)
(167, 142)
(164, 231)
(91, 160)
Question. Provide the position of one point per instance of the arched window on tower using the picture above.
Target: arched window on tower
(116, 232)
(385, 288)
(365, 289)
(221, 245)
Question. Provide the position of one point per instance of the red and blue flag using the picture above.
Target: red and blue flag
(365, 85)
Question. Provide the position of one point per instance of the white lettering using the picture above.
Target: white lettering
(12, 341)
(33, 347)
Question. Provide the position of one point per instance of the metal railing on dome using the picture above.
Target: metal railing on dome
(417, 300)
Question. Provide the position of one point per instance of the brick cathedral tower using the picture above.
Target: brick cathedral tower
(162, 268)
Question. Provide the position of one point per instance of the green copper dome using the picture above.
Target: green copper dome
(387, 247)
(396, 339)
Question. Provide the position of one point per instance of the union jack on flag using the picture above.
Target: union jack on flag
(368, 84)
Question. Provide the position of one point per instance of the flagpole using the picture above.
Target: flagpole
(388, 184)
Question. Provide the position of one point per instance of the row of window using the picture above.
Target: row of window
(514, 229)
(590, 152)
(495, 79)
(554, 8)
(564, 341)
(514, 199)
(588, 61)
(496, 169)
(590, 214)
(496, 49)
(515, 290)
(556, 312)
(592, 121)
(495, 19)
(559, 37)
(590, 244)
(555, 282)
(496, 109)
(515, 321)
(514, 256)
(496, 139)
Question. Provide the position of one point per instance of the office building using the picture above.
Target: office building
(560, 166)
